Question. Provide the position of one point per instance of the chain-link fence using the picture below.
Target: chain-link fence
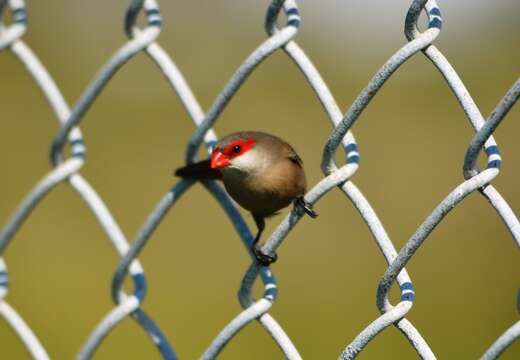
(66, 169)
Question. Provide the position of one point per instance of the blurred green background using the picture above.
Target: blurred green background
(412, 139)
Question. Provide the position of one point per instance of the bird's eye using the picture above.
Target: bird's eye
(236, 149)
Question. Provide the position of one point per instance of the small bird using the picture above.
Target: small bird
(261, 172)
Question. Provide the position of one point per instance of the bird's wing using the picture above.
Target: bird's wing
(200, 171)
(295, 158)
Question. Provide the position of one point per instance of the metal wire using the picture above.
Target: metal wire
(67, 169)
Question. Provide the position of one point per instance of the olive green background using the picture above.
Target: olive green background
(412, 139)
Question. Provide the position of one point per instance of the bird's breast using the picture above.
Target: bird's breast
(267, 191)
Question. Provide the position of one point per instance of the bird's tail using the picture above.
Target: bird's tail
(200, 171)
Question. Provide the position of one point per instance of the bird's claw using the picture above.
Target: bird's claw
(262, 258)
(305, 206)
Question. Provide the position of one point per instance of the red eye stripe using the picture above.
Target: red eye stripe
(241, 145)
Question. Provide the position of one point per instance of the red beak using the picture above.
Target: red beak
(219, 160)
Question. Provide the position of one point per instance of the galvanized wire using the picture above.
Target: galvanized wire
(67, 169)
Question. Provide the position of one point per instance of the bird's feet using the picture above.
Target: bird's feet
(305, 206)
(262, 258)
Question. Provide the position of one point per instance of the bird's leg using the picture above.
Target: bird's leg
(262, 258)
(305, 206)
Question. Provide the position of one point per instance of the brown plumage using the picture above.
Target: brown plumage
(261, 172)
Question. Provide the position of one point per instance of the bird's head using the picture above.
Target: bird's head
(234, 153)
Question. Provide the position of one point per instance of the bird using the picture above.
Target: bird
(261, 172)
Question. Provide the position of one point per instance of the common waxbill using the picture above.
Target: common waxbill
(260, 171)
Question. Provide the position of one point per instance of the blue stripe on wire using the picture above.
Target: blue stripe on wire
(272, 291)
(494, 164)
(294, 22)
(435, 23)
(80, 155)
(492, 150)
(408, 296)
(156, 334)
(353, 159)
(152, 12)
(435, 11)
(20, 16)
(4, 279)
(139, 286)
(351, 147)
(406, 286)
(76, 142)
(292, 11)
